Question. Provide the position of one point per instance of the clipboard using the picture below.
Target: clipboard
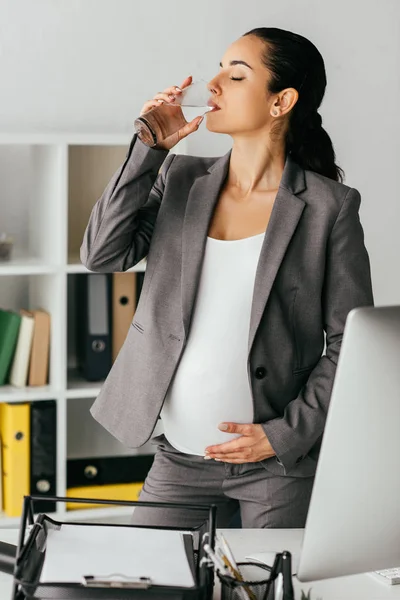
(31, 553)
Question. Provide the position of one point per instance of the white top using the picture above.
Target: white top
(211, 383)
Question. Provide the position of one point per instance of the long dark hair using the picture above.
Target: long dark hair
(294, 61)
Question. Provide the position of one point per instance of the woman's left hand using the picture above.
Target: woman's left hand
(252, 446)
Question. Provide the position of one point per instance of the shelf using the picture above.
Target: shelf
(27, 266)
(9, 393)
(33, 189)
(77, 387)
(35, 266)
(50, 182)
(75, 266)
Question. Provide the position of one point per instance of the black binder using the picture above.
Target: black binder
(93, 325)
(43, 453)
(140, 275)
(31, 554)
(108, 470)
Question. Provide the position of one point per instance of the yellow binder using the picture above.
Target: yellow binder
(123, 308)
(15, 447)
(117, 491)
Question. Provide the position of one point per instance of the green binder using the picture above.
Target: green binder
(9, 328)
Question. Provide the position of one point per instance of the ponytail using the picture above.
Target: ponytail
(294, 61)
(311, 147)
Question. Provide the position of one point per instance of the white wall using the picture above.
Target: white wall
(90, 64)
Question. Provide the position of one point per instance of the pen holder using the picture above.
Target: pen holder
(254, 586)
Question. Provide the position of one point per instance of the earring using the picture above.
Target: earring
(275, 112)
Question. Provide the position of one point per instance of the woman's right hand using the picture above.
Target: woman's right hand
(169, 95)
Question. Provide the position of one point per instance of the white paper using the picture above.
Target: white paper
(268, 558)
(78, 550)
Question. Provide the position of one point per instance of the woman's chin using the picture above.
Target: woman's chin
(214, 125)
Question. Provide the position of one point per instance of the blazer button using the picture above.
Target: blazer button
(260, 372)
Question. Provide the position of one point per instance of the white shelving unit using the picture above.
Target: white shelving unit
(49, 184)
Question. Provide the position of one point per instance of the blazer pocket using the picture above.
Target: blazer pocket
(303, 370)
(305, 468)
(138, 326)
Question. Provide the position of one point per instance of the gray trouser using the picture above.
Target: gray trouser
(265, 500)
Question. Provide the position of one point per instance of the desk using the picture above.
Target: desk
(245, 541)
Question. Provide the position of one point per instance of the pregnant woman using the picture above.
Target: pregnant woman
(254, 260)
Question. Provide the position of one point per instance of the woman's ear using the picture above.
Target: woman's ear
(287, 100)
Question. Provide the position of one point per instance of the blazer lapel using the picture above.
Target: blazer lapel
(284, 218)
(200, 205)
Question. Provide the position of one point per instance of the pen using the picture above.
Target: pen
(288, 592)
(229, 561)
(279, 587)
(235, 572)
(216, 560)
(219, 564)
(227, 551)
(244, 591)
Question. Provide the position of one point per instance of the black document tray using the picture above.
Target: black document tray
(31, 554)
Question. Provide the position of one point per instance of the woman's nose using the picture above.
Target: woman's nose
(213, 87)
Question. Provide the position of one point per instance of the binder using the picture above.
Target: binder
(93, 333)
(39, 359)
(43, 451)
(108, 470)
(123, 308)
(15, 438)
(8, 553)
(1, 474)
(9, 328)
(140, 275)
(43, 531)
(121, 491)
(20, 364)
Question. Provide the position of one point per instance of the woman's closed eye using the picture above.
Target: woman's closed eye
(236, 78)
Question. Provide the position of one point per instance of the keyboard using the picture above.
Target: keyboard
(388, 576)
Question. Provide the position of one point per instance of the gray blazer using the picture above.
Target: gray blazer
(313, 269)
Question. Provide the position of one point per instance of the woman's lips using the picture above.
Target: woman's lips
(214, 106)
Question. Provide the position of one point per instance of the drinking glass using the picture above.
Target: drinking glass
(164, 120)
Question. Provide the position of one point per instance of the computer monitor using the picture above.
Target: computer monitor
(353, 522)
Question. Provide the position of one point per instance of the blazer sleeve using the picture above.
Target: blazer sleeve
(347, 285)
(121, 223)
